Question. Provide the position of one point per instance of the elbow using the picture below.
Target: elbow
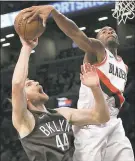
(103, 119)
(106, 119)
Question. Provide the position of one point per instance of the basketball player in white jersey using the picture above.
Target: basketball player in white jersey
(106, 142)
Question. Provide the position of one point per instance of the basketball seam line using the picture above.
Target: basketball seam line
(25, 29)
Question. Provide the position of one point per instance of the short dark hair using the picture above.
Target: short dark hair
(101, 30)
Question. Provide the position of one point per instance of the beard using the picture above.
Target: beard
(112, 43)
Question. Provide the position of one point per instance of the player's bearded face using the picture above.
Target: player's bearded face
(108, 37)
(34, 92)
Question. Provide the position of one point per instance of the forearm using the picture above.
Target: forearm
(98, 114)
(78, 36)
(78, 117)
(21, 68)
(65, 24)
(100, 102)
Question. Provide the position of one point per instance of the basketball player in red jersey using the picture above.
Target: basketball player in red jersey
(106, 142)
(46, 134)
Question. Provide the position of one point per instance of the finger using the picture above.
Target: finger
(85, 68)
(88, 68)
(35, 40)
(29, 42)
(81, 77)
(44, 22)
(93, 68)
(82, 69)
(27, 10)
(33, 16)
(28, 15)
(89, 65)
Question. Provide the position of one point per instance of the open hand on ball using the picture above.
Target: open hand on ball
(38, 11)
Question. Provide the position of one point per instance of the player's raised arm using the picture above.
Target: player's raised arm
(97, 114)
(19, 101)
(89, 45)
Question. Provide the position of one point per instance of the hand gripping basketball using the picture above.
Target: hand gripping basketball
(89, 76)
(38, 11)
(31, 44)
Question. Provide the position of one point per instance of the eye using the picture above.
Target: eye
(104, 32)
(28, 84)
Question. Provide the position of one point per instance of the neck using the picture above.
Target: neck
(37, 107)
(113, 51)
(41, 108)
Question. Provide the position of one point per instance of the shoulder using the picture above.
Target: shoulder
(98, 48)
(96, 43)
(126, 68)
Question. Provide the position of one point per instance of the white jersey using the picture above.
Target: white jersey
(113, 76)
(91, 141)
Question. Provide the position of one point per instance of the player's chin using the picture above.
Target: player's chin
(45, 96)
(112, 42)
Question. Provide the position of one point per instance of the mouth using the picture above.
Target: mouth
(40, 89)
(111, 36)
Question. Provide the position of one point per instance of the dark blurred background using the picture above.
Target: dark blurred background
(55, 63)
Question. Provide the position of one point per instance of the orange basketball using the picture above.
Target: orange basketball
(28, 31)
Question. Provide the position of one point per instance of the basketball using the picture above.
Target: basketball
(28, 31)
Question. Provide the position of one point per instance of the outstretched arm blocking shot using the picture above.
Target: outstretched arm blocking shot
(88, 45)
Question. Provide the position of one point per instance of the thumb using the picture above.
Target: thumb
(35, 40)
(44, 21)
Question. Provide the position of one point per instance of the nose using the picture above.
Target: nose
(110, 32)
(37, 83)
